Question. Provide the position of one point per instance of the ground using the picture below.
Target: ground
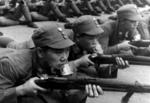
(129, 75)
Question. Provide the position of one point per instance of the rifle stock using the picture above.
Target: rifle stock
(79, 83)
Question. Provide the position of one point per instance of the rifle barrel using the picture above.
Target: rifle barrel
(111, 59)
(137, 60)
(79, 83)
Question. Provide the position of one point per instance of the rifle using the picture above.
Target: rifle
(111, 59)
(140, 43)
(80, 82)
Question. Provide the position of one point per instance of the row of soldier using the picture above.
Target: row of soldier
(14, 12)
(48, 51)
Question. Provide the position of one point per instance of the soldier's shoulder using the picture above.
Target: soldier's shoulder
(109, 24)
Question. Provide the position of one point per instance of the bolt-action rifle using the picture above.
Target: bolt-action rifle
(111, 59)
(140, 43)
(80, 82)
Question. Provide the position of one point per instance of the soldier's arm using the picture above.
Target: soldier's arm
(21, 45)
(143, 31)
(7, 91)
(120, 2)
(108, 3)
(104, 38)
(112, 50)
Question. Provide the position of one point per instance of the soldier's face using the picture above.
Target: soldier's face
(56, 58)
(130, 25)
(90, 44)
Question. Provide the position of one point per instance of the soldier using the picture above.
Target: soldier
(146, 2)
(12, 14)
(88, 8)
(7, 42)
(39, 10)
(54, 7)
(128, 1)
(139, 3)
(86, 30)
(96, 6)
(48, 10)
(108, 5)
(120, 2)
(102, 6)
(117, 34)
(20, 68)
(116, 3)
(71, 4)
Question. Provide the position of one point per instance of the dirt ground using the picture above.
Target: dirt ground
(130, 75)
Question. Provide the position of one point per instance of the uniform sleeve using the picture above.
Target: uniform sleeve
(32, 5)
(22, 45)
(112, 50)
(143, 31)
(7, 89)
(105, 37)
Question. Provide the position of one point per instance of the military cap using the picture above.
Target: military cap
(129, 12)
(51, 36)
(87, 25)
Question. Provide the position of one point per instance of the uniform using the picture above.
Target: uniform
(112, 36)
(57, 12)
(17, 66)
(87, 8)
(139, 3)
(108, 5)
(70, 5)
(22, 69)
(19, 10)
(48, 11)
(87, 27)
(115, 34)
(95, 6)
(116, 4)
(72, 9)
(128, 1)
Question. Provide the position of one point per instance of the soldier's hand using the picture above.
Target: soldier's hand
(122, 63)
(125, 46)
(84, 60)
(93, 90)
(29, 87)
